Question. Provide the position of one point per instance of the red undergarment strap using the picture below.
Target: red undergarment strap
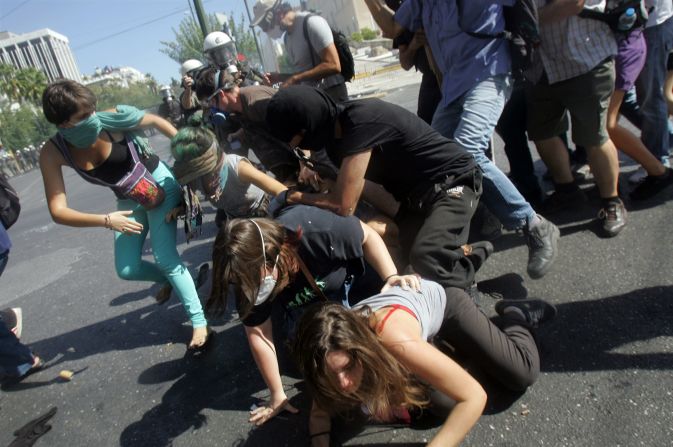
(393, 308)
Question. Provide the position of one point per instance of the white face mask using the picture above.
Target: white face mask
(268, 282)
(275, 33)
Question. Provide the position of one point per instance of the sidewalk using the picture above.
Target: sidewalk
(382, 80)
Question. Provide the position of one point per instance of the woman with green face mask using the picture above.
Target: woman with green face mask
(103, 149)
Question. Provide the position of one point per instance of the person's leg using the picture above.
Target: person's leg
(163, 239)
(508, 354)
(512, 129)
(4, 257)
(627, 142)
(587, 98)
(128, 248)
(446, 118)
(650, 92)
(429, 96)
(481, 109)
(16, 359)
(436, 250)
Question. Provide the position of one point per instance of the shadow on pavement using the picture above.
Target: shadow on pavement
(594, 335)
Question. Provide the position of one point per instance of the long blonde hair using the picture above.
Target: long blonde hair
(386, 383)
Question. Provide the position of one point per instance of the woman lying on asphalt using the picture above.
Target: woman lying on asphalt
(307, 254)
(378, 355)
(103, 149)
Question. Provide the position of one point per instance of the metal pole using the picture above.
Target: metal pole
(202, 17)
(254, 34)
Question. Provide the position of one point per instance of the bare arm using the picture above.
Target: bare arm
(401, 335)
(329, 65)
(248, 173)
(349, 184)
(384, 18)
(382, 200)
(54, 188)
(260, 339)
(186, 96)
(319, 426)
(377, 255)
(559, 10)
(162, 125)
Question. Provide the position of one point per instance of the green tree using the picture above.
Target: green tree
(22, 85)
(23, 127)
(140, 94)
(188, 43)
(368, 33)
(357, 37)
(32, 83)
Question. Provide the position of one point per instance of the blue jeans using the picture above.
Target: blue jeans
(650, 90)
(167, 266)
(470, 121)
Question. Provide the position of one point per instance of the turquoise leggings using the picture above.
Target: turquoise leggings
(167, 263)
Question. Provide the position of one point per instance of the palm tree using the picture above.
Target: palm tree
(32, 83)
(8, 83)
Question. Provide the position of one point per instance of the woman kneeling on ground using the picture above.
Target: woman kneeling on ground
(378, 355)
(305, 255)
(103, 149)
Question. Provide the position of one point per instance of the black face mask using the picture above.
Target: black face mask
(302, 108)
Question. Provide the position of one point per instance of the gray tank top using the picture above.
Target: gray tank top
(238, 199)
(427, 305)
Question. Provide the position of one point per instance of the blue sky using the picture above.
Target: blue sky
(95, 28)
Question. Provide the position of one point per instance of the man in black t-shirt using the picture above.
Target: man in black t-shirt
(436, 181)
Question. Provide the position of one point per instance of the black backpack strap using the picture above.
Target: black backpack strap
(310, 47)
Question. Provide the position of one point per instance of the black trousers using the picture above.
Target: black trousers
(434, 225)
(507, 352)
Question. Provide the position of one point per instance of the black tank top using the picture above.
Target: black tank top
(119, 163)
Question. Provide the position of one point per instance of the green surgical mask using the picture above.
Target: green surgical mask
(83, 134)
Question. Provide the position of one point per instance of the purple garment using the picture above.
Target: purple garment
(463, 60)
(630, 59)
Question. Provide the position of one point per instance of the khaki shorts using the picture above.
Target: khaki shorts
(586, 97)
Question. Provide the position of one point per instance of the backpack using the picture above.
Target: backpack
(9, 203)
(343, 50)
(522, 30)
(612, 16)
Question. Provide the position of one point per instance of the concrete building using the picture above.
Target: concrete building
(43, 49)
(123, 76)
(347, 16)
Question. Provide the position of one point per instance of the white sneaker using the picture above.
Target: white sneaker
(638, 176)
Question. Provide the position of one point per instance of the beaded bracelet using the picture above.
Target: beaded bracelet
(108, 224)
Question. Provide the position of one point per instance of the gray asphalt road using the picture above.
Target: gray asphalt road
(606, 360)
